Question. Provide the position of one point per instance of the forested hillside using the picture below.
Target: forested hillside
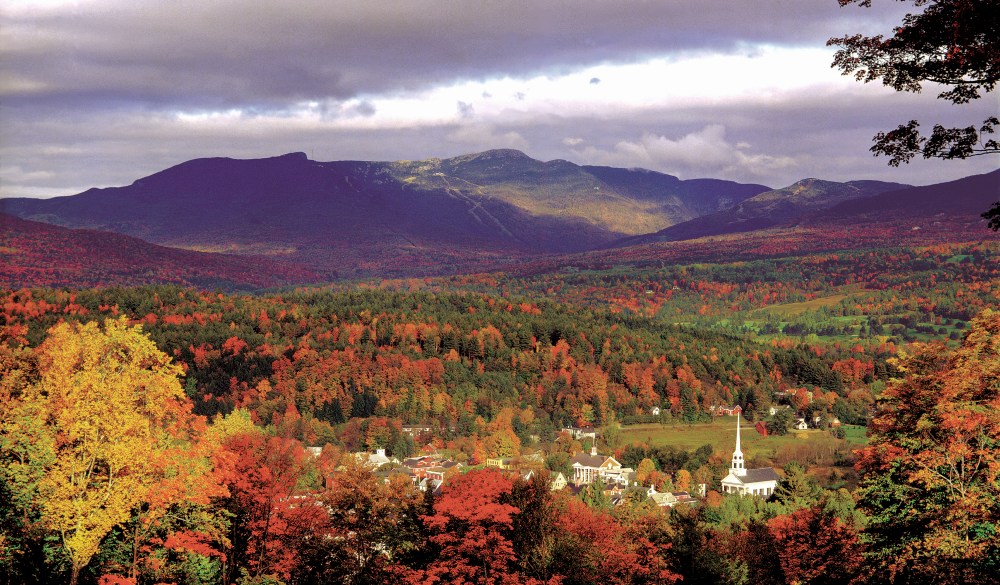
(865, 296)
(111, 476)
(39, 254)
(446, 358)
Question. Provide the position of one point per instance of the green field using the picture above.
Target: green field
(721, 434)
(787, 310)
(856, 434)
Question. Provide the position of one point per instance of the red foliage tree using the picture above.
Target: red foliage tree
(814, 547)
(594, 547)
(269, 513)
(470, 528)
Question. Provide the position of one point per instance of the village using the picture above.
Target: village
(429, 470)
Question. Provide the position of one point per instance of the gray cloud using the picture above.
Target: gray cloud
(229, 52)
(90, 93)
(773, 144)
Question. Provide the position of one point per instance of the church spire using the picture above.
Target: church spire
(738, 434)
(738, 467)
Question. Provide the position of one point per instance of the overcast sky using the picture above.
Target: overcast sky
(97, 93)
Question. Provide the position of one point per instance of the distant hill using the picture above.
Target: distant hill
(34, 254)
(778, 207)
(401, 217)
(291, 220)
(627, 201)
(963, 198)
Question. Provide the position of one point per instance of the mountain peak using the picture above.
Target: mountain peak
(507, 153)
(495, 155)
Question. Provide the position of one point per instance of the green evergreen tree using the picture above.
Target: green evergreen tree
(797, 490)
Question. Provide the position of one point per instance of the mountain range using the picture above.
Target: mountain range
(768, 209)
(318, 221)
(350, 216)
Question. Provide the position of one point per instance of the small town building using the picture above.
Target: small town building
(589, 468)
(748, 482)
(735, 410)
(773, 410)
(669, 499)
(500, 462)
(581, 432)
(376, 459)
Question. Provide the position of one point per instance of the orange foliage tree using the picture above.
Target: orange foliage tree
(931, 472)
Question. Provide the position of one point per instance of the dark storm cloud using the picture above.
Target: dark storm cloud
(234, 53)
(90, 92)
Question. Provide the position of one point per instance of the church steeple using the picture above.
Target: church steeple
(737, 467)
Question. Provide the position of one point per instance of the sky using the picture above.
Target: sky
(99, 93)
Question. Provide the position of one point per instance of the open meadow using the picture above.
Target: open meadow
(815, 446)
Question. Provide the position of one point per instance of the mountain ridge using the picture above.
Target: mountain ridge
(769, 209)
(472, 213)
(351, 215)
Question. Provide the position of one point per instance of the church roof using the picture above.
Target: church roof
(588, 460)
(757, 475)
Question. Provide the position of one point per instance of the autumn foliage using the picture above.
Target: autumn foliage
(169, 436)
(932, 469)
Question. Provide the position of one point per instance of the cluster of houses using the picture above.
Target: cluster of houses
(430, 471)
(427, 472)
(589, 468)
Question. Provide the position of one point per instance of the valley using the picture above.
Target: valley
(475, 326)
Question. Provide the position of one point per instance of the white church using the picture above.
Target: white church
(748, 482)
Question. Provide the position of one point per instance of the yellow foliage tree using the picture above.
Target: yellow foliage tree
(646, 466)
(111, 403)
(683, 480)
(503, 443)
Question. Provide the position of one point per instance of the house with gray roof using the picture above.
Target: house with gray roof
(588, 468)
(748, 482)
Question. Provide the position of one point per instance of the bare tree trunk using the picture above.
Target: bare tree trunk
(133, 571)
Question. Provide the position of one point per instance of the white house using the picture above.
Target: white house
(748, 482)
(581, 432)
(588, 468)
(376, 459)
(557, 480)
(800, 424)
(669, 499)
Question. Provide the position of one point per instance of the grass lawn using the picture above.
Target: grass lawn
(787, 310)
(721, 434)
(856, 434)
